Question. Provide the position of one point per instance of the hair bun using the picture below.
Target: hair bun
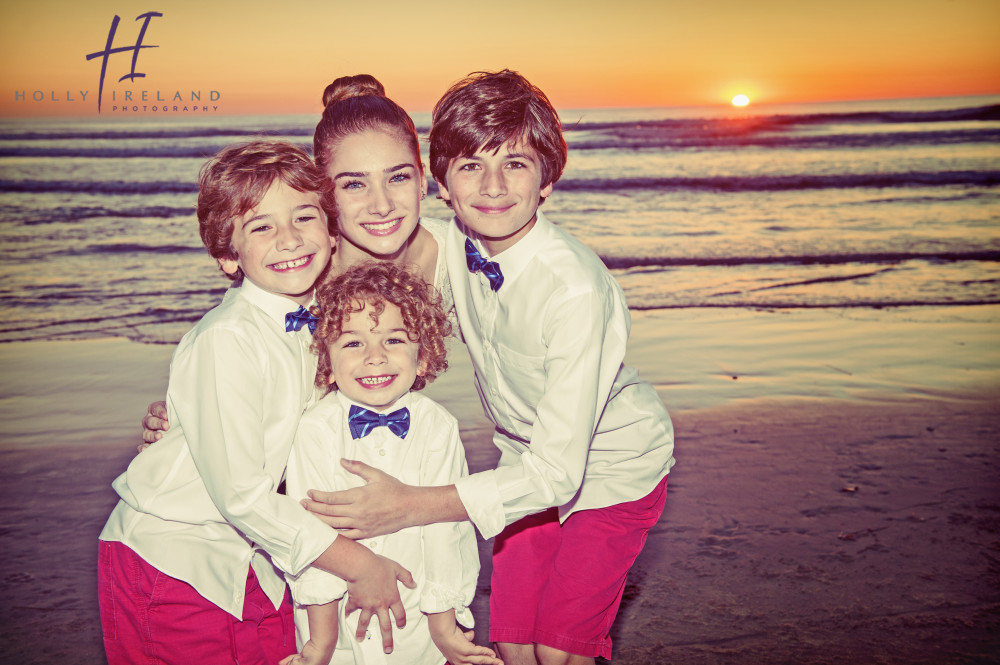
(346, 87)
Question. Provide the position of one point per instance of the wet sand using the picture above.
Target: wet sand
(836, 497)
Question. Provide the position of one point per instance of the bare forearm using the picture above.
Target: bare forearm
(346, 559)
(323, 628)
(430, 505)
(441, 625)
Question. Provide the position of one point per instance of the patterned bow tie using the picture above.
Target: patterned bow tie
(300, 317)
(362, 421)
(477, 263)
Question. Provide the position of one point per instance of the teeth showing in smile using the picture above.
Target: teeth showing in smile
(288, 265)
(383, 226)
(375, 381)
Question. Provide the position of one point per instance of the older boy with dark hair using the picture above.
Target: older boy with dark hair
(586, 446)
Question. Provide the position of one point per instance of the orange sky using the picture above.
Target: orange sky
(621, 53)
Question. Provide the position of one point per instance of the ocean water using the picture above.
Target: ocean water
(847, 205)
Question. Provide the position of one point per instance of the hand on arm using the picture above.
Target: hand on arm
(383, 505)
(371, 580)
(371, 585)
(323, 630)
(455, 644)
(154, 424)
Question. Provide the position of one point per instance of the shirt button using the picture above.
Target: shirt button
(381, 451)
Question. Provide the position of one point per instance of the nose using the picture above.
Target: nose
(380, 202)
(493, 183)
(288, 237)
(374, 354)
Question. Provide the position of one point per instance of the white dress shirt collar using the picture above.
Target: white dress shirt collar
(275, 306)
(518, 256)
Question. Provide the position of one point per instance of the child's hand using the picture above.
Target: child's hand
(312, 654)
(457, 646)
(154, 424)
(375, 592)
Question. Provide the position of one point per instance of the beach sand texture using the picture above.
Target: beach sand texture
(835, 498)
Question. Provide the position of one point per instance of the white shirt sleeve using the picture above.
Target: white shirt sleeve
(309, 467)
(217, 380)
(570, 386)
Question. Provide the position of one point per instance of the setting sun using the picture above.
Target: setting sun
(741, 100)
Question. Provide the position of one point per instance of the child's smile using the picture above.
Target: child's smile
(374, 382)
(374, 364)
(285, 266)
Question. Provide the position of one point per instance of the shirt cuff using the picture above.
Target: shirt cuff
(480, 495)
(314, 586)
(436, 598)
(312, 540)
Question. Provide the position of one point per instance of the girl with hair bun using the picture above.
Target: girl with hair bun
(368, 147)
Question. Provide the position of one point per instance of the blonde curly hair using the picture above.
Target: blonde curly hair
(374, 284)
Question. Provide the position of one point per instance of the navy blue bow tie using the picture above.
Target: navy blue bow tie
(300, 317)
(477, 263)
(362, 421)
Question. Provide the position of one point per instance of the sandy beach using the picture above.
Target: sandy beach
(836, 497)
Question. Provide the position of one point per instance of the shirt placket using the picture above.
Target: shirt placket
(381, 440)
(488, 320)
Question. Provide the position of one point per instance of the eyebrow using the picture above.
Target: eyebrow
(268, 215)
(353, 331)
(364, 174)
(508, 155)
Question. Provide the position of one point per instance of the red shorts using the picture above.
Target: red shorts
(560, 585)
(151, 618)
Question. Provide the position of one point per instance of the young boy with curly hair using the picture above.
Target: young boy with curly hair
(380, 337)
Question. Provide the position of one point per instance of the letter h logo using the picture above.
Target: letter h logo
(108, 50)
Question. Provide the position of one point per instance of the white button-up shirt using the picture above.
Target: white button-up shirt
(442, 557)
(201, 503)
(576, 428)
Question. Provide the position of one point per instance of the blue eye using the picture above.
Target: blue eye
(260, 229)
(401, 177)
(305, 219)
(352, 184)
(353, 344)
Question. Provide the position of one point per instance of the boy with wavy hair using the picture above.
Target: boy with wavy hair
(191, 558)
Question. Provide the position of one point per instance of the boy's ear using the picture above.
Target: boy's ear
(546, 191)
(421, 367)
(229, 266)
(443, 190)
